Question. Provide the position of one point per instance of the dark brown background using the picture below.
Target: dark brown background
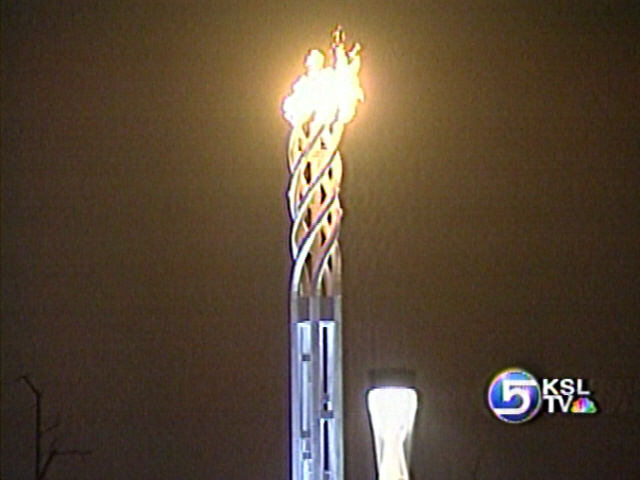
(492, 200)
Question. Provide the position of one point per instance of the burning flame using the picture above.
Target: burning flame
(326, 94)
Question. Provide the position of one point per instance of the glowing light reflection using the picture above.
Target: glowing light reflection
(392, 411)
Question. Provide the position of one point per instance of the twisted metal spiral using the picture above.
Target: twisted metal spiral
(315, 166)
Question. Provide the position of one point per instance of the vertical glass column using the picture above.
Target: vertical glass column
(300, 378)
(316, 389)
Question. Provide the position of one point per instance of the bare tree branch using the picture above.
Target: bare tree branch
(52, 427)
(38, 426)
(47, 464)
(15, 380)
(26, 380)
(40, 473)
(54, 444)
(60, 453)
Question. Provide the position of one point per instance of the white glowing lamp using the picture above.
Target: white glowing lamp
(392, 411)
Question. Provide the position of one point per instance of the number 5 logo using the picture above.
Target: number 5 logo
(514, 396)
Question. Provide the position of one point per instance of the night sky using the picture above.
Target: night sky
(492, 218)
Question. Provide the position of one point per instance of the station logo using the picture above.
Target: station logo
(516, 396)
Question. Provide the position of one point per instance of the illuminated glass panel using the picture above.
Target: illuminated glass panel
(392, 411)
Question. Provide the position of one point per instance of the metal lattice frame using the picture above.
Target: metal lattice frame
(315, 166)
